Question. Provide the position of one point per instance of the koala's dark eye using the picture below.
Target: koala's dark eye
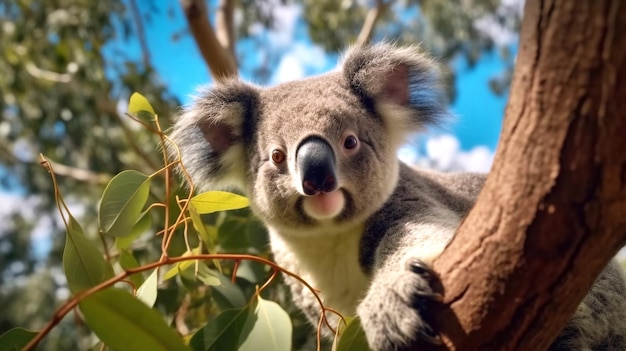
(351, 142)
(278, 156)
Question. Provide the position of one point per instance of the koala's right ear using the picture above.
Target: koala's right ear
(211, 134)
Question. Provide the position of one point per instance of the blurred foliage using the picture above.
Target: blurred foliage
(63, 88)
(59, 94)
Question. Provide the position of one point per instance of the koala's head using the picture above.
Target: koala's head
(314, 152)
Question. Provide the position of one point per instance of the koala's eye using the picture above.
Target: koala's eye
(278, 156)
(351, 142)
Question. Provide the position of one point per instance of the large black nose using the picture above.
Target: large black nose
(316, 164)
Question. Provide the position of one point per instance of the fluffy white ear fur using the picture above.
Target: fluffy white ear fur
(402, 84)
(209, 135)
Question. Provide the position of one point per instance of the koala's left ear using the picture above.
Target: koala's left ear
(399, 83)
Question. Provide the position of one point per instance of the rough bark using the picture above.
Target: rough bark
(553, 210)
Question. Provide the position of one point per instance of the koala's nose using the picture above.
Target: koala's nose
(316, 164)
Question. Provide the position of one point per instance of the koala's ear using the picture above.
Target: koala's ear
(211, 134)
(399, 83)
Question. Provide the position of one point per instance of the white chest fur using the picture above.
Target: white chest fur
(328, 262)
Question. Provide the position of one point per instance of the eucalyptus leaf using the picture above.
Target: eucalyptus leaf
(147, 292)
(15, 339)
(207, 233)
(122, 202)
(271, 329)
(138, 103)
(353, 337)
(223, 332)
(142, 226)
(181, 266)
(228, 295)
(128, 261)
(215, 201)
(124, 323)
(83, 264)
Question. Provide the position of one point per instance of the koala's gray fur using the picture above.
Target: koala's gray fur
(317, 158)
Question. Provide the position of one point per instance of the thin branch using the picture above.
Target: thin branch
(365, 36)
(221, 62)
(83, 175)
(141, 33)
(39, 73)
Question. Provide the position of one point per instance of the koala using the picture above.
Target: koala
(318, 160)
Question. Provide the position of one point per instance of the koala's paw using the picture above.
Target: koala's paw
(392, 311)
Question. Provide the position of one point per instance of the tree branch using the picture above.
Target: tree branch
(141, 33)
(83, 175)
(224, 26)
(221, 61)
(551, 214)
(365, 36)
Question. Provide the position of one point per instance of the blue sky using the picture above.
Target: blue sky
(468, 143)
(478, 111)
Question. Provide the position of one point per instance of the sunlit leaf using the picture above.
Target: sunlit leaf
(15, 339)
(122, 202)
(214, 201)
(353, 337)
(124, 323)
(83, 264)
(128, 261)
(272, 328)
(147, 292)
(208, 276)
(223, 332)
(208, 233)
(181, 266)
(139, 103)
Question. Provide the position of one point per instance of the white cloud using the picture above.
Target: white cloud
(289, 68)
(286, 17)
(501, 34)
(443, 153)
(298, 62)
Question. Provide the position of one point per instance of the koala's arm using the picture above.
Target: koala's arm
(396, 249)
(399, 244)
(599, 322)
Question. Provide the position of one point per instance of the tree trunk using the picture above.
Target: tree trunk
(553, 210)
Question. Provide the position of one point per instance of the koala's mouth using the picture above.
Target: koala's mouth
(324, 205)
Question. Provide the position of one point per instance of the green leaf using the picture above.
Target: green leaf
(227, 295)
(353, 337)
(208, 233)
(147, 292)
(139, 103)
(208, 276)
(215, 201)
(15, 339)
(83, 264)
(270, 331)
(181, 266)
(124, 323)
(223, 332)
(128, 261)
(232, 236)
(122, 202)
(142, 226)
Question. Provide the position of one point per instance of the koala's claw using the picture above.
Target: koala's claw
(433, 296)
(419, 267)
(428, 334)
